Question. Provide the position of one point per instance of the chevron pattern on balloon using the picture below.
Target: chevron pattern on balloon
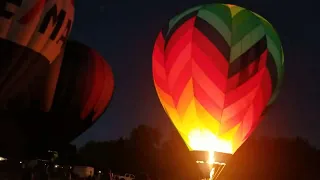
(214, 66)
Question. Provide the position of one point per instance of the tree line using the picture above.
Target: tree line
(257, 159)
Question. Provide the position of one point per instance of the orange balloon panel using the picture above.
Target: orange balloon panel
(211, 109)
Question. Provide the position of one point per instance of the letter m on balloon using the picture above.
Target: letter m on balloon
(56, 19)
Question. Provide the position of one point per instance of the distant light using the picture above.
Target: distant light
(56, 166)
(99, 171)
(3, 159)
(20, 162)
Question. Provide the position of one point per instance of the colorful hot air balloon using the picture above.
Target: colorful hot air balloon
(32, 35)
(84, 89)
(82, 93)
(216, 68)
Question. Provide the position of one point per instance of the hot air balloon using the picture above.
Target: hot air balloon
(84, 89)
(82, 93)
(216, 68)
(32, 35)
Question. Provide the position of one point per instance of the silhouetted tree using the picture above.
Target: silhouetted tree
(273, 159)
(177, 160)
(144, 141)
(258, 159)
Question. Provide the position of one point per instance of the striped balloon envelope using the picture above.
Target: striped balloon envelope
(82, 93)
(33, 34)
(84, 89)
(216, 69)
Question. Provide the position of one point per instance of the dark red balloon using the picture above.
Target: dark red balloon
(84, 88)
(82, 93)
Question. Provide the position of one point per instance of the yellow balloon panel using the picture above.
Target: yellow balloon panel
(198, 133)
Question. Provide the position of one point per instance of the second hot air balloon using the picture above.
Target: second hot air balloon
(216, 68)
(32, 35)
(83, 91)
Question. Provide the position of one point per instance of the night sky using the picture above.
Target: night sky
(124, 31)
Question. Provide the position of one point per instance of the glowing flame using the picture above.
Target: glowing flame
(205, 140)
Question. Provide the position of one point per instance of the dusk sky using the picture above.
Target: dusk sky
(124, 33)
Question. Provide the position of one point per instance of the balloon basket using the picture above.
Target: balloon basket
(216, 170)
(210, 171)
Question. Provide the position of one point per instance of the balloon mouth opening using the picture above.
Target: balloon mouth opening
(205, 140)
